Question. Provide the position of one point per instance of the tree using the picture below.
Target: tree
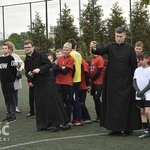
(116, 19)
(65, 27)
(146, 2)
(17, 39)
(38, 35)
(91, 23)
(141, 24)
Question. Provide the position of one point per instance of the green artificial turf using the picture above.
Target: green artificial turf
(23, 134)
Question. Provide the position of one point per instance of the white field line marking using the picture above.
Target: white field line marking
(48, 140)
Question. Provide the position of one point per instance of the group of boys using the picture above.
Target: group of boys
(74, 77)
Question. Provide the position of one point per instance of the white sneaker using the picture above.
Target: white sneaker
(144, 134)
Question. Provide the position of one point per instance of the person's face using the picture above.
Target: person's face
(10, 51)
(58, 54)
(50, 58)
(5, 49)
(138, 49)
(120, 37)
(143, 62)
(28, 48)
(66, 49)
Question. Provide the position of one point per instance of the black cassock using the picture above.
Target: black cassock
(119, 111)
(50, 110)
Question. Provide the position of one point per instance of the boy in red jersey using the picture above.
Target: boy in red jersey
(83, 88)
(97, 71)
(64, 80)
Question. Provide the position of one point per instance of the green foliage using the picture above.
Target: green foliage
(146, 2)
(84, 50)
(65, 28)
(23, 134)
(17, 39)
(141, 24)
(115, 20)
(38, 35)
(92, 27)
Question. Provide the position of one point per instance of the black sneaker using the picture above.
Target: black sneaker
(11, 119)
(97, 119)
(6, 119)
(114, 133)
(30, 116)
(69, 125)
(54, 129)
(126, 133)
(66, 126)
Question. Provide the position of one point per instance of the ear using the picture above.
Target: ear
(125, 35)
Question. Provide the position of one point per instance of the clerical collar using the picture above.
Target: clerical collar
(30, 54)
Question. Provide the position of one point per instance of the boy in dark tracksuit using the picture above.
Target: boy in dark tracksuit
(31, 113)
(97, 71)
(8, 73)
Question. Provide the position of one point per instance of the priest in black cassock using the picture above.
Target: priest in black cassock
(50, 111)
(119, 112)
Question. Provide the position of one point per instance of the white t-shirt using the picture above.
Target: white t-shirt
(18, 83)
(142, 76)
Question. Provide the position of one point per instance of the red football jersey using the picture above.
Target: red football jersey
(97, 62)
(84, 68)
(65, 78)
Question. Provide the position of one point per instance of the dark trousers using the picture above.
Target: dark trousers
(96, 93)
(77, 112)
(16, 97)
(65, 92)
(8, 92)
(31, 100)
(82, 99)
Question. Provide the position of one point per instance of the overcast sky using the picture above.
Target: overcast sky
(17, 18)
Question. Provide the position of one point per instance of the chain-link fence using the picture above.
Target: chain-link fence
(16, 18)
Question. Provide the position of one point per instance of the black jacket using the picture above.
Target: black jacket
(41, 61)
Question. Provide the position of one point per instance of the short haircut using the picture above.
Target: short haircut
(50, 54)
(143, 55)
(28, 42)
(59, 50)
(5, 44)
(73, 42)
(120, 30)
(139, 44)
(68, 43)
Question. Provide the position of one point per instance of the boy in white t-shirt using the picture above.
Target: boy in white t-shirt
(141, 83)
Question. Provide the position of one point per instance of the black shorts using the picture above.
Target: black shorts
(143, 103)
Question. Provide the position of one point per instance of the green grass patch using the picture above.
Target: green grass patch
(23, 132)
